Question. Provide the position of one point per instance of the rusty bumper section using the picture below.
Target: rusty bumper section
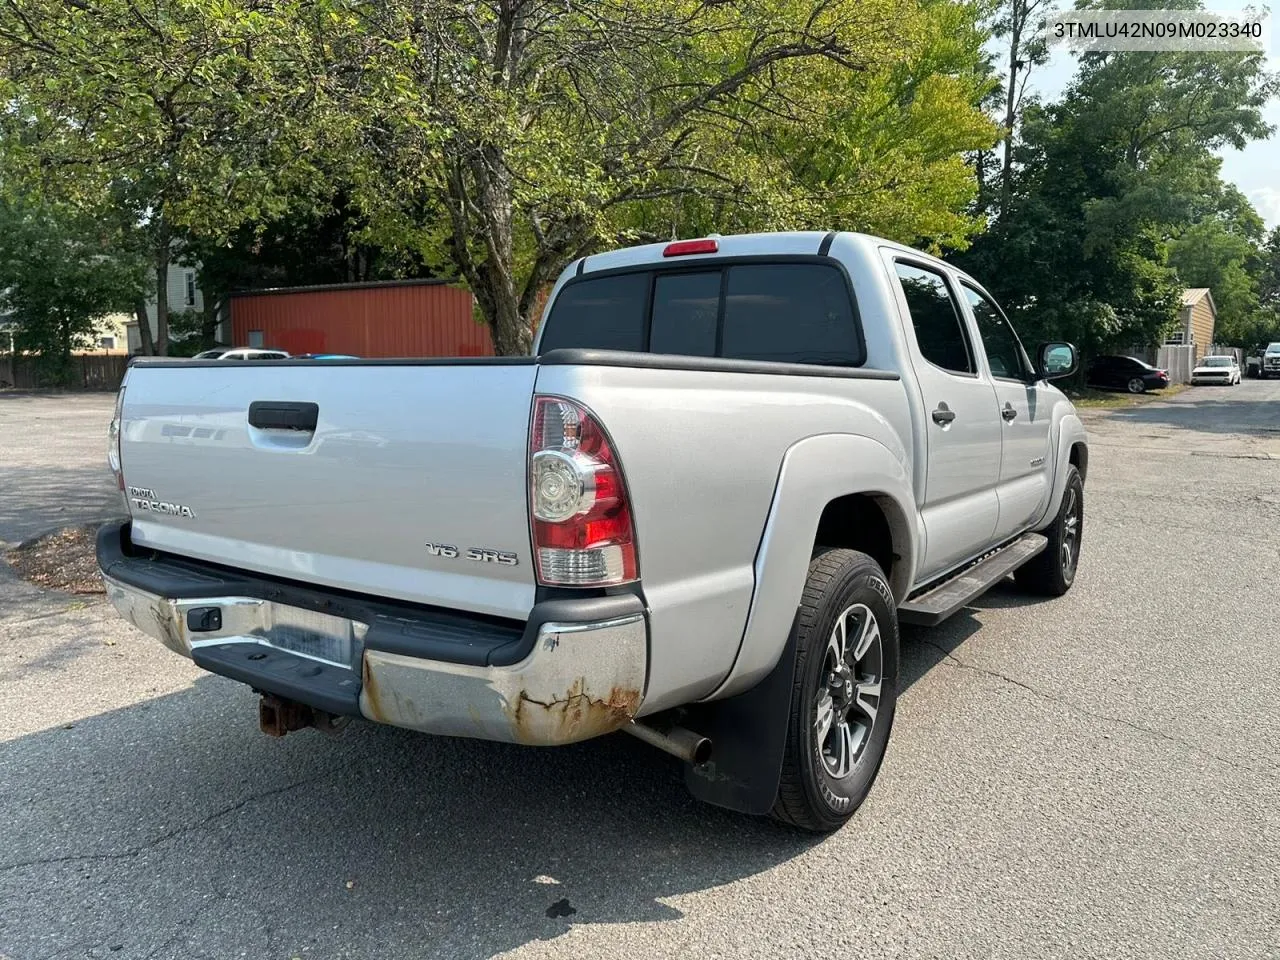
(580, 680)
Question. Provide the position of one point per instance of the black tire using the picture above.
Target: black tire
(1048, 573)
(1136, 385)
(842, 584)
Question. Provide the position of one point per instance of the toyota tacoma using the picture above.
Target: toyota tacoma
(697, 513)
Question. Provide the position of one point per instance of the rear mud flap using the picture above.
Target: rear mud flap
(749, 732)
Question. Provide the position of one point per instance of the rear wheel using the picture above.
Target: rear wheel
(1053, 570)
(1137, 385)
(844, 693)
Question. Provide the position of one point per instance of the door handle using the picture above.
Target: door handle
(1009, 411)
(283, 415)
(943, 415)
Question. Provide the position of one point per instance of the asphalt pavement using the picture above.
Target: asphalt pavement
(1093, 776)
(53, 462)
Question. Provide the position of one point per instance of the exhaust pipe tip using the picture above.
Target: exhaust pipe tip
(690, 747)
(699, 750)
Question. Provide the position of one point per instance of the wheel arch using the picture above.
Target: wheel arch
(1072, 448)
(833, 490)
(874, 523)
(1079, 458)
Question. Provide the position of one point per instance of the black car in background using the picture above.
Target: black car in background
(1126, 373)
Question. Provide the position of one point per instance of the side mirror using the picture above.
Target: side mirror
(1056, 360)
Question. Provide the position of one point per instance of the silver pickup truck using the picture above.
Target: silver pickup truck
(697, 513)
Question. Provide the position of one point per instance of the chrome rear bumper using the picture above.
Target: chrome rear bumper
(579, 680)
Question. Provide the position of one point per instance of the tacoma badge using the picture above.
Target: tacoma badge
(144, 498)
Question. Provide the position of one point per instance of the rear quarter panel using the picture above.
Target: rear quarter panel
(702, 452)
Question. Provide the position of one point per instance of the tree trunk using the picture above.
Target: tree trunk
(511, 330)
(1011, 102)
(144, 328)
(209, 325)
(162, 295)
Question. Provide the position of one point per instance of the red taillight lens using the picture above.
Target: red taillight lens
(683, 248)
(582, 530)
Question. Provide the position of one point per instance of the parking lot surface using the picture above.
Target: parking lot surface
(1094, 776)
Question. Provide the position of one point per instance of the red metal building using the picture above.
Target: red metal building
(398, 318)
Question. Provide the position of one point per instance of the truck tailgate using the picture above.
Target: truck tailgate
(412, 484)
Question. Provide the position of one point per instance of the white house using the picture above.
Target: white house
(184, 294)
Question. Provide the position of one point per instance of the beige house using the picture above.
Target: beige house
(110, 336)
(1196, 321)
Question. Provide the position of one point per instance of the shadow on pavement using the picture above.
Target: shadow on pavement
(39, 500)
(1209, 415)
(174, 828)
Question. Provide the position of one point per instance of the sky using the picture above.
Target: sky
(1255, 169)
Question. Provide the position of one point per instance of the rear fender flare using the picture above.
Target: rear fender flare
(814, 472)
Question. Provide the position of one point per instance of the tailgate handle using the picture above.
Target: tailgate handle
(283, 415)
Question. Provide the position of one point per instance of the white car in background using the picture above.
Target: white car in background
(1223, 370)
(241, 353)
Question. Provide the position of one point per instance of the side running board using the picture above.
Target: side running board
(935, 605)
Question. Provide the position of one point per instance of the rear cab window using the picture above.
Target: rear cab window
(784, 311)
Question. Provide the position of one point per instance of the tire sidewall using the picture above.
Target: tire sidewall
(863, 582)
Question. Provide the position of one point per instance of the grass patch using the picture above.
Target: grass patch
(1088, 397)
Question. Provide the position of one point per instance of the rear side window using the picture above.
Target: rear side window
(936, 320)
(798, 312)
(603, 314)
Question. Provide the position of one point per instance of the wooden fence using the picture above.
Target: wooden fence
(89, 372)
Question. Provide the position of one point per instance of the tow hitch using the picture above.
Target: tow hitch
(277, 716)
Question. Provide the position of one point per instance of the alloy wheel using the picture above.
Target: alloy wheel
(1070, 534)
(849, 690)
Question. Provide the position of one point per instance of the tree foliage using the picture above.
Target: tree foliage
(505, 139)
(60, 274)
(494, 141)
(180, 114)
(1107, 181)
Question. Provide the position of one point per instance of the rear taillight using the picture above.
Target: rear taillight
(113, 440)
(582, 530)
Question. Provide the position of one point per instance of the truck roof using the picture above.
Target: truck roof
(799, 242)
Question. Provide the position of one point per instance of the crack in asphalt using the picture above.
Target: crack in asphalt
(953, 660)
(165, 837)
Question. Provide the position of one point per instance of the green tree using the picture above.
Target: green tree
(1221, 253)
(505, 139)
(1266, 328)
(1019, 25)
(185, 115)
(1269, 272)
(59, 275)
(309, 245)
(1112, 173)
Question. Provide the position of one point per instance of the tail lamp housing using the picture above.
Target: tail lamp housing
(583, 535)
(113, 440)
